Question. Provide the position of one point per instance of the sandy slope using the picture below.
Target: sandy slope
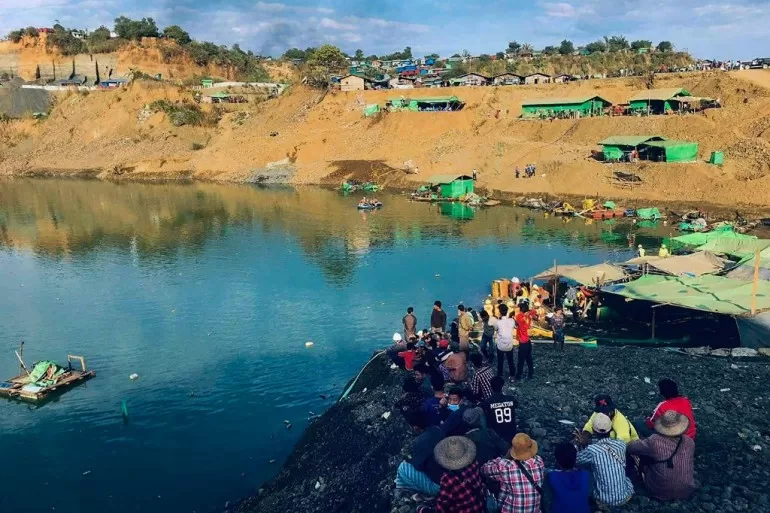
(325, 138)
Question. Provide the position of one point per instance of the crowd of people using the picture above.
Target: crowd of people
(470, 455)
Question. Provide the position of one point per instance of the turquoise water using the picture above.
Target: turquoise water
(209, 293)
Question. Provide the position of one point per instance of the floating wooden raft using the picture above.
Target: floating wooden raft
(17, 387)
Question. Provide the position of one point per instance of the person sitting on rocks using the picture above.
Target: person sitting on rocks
(673, 402)
(489, 445)
(432, 406)
(452, 412)
(461, 487)
(409, 355)
(520, 477)
(412, 399)
(420, 472)
(606, 458)
(570, 487)
(398, 346)
(422, 370)
(667, 458)
(501, 410)
(622, 429)
(480, 383)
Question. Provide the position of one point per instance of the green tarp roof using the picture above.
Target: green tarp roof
(438, 99)
(629, 140)
(443, 179)
(701, 238)
(659, 94)
(733, 246)
(564, 101)
(707, 293)
(669, 143)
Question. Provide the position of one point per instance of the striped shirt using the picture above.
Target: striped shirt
(607, 460)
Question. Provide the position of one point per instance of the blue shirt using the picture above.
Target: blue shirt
(570, 491)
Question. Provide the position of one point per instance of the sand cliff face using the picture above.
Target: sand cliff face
(316, 137)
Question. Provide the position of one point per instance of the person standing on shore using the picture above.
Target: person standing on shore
(557, 322)
(521, 477)
(667, 458)
(504, 342)
(673, 402)
(523, 323)
(501, 410)
(606, 458)
(438, 318)
(464, 326)
(488, 334)
(410, 324)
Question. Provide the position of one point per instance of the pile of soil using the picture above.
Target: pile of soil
(347, 459)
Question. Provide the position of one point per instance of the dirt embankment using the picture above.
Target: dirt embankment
(347, 459)
(311, 137)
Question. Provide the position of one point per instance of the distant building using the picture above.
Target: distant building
(659, 101)
(560, 79)
(471, 79)
(207, 83)
(507, 79)
(354, 83)
(537, 78)
(580, 106)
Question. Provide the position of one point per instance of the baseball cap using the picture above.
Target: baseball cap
(603, 403)
(602, 424)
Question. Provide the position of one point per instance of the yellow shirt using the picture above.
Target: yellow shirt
(622, 429)
(663, 252)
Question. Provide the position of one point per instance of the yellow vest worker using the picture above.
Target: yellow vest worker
(663, 252)
(641, 251)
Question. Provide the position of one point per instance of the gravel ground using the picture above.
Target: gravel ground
(347, 459)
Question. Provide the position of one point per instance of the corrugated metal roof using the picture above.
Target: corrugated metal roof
(443, 179)
(564, 101)
(629, 140)
(668, 144)
(659, 94)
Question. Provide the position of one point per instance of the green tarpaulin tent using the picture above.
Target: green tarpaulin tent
(733, 246)
(371, 110)
(708, 293)
(700, 238)
(648, 213)
(672, 151)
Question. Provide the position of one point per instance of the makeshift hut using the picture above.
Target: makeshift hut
(694, 240)
(743, 247)
(591, 275)
(434, 104)
(657, 101)
(452, 186)
(618, 146)
(580, 106)
(692, 265)
(670, 151)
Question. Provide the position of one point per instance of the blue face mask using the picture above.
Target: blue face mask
(453, 407)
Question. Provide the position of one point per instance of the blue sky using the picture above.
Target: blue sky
(707, 28)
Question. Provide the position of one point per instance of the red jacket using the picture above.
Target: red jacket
(678, 404)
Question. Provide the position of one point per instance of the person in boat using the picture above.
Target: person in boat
(663, 251)
(621, 427)
(667, 458)
(673, 401)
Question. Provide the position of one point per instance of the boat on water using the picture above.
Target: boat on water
(46, 378)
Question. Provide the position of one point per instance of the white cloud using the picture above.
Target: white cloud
(559, 10)
(278, 7)
(335, 25)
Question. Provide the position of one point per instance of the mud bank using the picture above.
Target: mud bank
(347, 459)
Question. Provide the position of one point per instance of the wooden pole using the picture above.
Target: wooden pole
(21, 355)
(653, 323)
(555, 282)
(755, 284)
(21, 362)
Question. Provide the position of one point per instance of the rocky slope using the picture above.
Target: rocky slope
(347, 459)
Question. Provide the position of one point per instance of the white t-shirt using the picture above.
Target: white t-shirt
(504, 334)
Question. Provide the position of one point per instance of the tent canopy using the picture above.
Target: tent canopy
(629, 140)
(695, 264)
(659, 94)
(740, 247)
(585, 275)
(701, 238)
(575, 100)
(707, 293)
(445, 179)
(675, 151)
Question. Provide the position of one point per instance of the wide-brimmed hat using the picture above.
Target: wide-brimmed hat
(602, 424)
(523, 447)
(603, 403)
(671, 423)
(455, 452)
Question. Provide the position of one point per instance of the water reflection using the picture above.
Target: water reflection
(60, 218)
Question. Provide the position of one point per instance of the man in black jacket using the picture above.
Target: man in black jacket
(438, 318)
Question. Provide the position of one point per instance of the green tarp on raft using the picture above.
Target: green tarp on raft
(648, 213)
(736, 247)
(701, 238)
(708, 293)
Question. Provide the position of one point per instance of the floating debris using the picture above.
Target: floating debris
(287, 422)
(308, 344)
(647, 380)
(271, 461)
(567, 422)
(724, 389)
(88, 471)
(288, 426)
(133, 377)
(322, 396)
(756, 448)
(386, 415)
(311, 414)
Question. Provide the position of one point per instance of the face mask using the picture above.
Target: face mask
(453, 407)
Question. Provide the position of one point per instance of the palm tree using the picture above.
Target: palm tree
(527, 48)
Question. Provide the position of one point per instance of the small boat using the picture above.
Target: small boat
(606, 213)
(369, 206)
(45, 378)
